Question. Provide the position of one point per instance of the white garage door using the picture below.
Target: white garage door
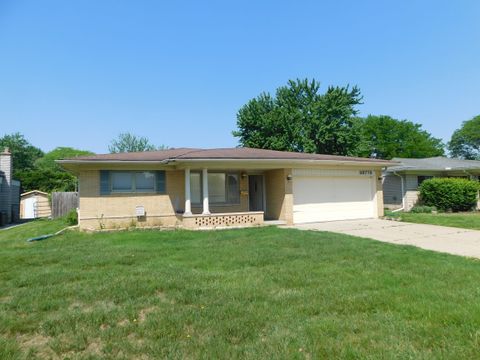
(324, 197)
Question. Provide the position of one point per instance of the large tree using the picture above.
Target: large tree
(465, 142)
(383, 137)
(47, 180)
(300, 118)
(127, 142)
(47, 175)
(24, 154)
(47, 162)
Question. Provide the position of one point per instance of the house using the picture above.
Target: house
(400, 182)
(34, 204)
(9, 190)
(195, 188)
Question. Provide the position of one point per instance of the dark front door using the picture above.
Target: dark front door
(255, 192)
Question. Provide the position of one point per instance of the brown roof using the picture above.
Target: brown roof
(240, 153)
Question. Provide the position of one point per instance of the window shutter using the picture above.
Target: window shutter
(160, 178)
(104, 182)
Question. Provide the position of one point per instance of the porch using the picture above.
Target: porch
(217, 198)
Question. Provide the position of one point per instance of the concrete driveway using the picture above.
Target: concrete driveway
(431, 237)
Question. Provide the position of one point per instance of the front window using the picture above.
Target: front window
(217, 193)
(145, 181)
(195, 187)
(122, 181)
(223, 188)
(133, 181)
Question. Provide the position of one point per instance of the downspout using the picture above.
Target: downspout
(403, 194)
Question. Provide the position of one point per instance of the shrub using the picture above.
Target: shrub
(449, 194)
(72, 217)
(423, 209)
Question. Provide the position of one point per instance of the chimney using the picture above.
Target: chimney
(5, 190)
(6, 165)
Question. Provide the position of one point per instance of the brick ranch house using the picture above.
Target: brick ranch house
(207, 188)
(401, 182)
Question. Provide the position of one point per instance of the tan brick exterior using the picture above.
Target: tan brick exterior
(279, 195)
(117, 211)
(379, 190)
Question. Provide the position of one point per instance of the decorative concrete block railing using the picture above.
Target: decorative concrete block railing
(223, 220)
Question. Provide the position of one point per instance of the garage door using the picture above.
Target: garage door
(321, 196)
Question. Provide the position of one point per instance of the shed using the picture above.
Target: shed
(34, 204)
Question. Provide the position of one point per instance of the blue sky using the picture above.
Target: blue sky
(77, 73)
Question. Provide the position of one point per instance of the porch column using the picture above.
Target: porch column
(206, 209)
(188, 202)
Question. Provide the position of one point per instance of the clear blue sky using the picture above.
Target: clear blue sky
(77, 73)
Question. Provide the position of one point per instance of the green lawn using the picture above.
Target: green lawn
(461, 220)
(255, 293)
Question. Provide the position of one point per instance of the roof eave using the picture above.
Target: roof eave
(275, 161)
(89, 162)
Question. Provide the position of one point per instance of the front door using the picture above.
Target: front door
(255, 192)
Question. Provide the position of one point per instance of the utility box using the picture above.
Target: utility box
(139, 211)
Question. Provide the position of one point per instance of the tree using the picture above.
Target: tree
(36, 170)
(465, 142)
(24, 154)
(383, 137)
(48, 160)
(47, 180)
(300, 118)
(47, 175)
(127, 142)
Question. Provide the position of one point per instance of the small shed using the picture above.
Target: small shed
(34, 204)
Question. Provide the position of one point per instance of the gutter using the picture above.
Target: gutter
(288, 161)
(168, 161)
(113, 161)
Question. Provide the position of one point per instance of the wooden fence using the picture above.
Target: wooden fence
(63, 202)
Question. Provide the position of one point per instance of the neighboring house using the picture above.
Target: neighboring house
(196, 188)
(9, 190)
(400, 183)
(34, 204)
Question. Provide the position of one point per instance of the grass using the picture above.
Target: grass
(251, 293)
(461, 220)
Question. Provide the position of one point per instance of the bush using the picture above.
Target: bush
(423, 209)
(449, 194)
(72, 217)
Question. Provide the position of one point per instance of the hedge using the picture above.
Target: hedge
(450, 194)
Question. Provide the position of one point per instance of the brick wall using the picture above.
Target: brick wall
(162, 210)
(379, 190)
(118, 210)
(5, 192)
(279, 195)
